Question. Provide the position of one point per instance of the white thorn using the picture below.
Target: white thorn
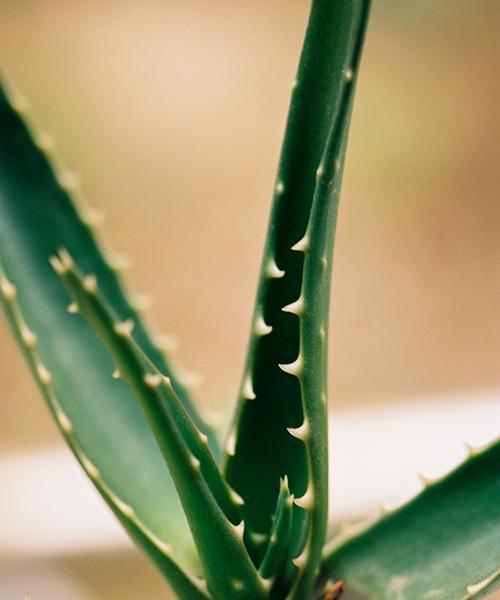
(247, 388)
(125, 508)
(116, 374)
(324, 262)
(239, 529)
(469, 449)
(261, 328)
(267, 584)
(166, 342)
(44, 141)
(72, 308)
(8, 289)
(307, 500)
(19, 102)
(296, 308)
(319, 171)
(29, 338)
(273, 271)
(153, 380)
(161, 545)
(89, 467)
(195, 463)
(301, 560)
(294, 368)
(203, 438)
(90, 284)
(302, 432)
(280, 188)
(424, 480)
(475, 450)
(68, 180)
(237, 584)
(383, 509)
(295, 84)
(302, 245)
(66, 259)
(348, 74)
(231, 444)
(119, 262)
(63, 421)
(323, 397)
(475, 588)
(94, 217)
(189, 379)
(43, 374)
(57, 265)
(141, 302)
(124, 328)
(235, 497)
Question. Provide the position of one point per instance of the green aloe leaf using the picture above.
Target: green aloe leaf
(283, 391)
(442, 545)
(160, 552)
(229, 572)
(279, 540)
(38, 216)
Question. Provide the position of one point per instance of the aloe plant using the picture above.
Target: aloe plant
(246, 521)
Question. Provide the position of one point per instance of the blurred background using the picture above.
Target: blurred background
(172, 113)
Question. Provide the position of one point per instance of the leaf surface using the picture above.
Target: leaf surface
(207, 503)
(37, 217)
(442, 545)
(280, 424)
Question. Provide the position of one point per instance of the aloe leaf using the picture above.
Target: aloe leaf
(128, 354)
(37, 216)
(161, 553)
(312, 309)
(228, 568)
(279, 540)
(442, 545)
(284, 384)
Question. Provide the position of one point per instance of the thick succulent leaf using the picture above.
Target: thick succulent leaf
(442, 545)
(312, 310)
(284, 383)
(183, 583)
(37, 217)
(228, 569)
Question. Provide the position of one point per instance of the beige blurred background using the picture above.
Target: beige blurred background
(173, 112)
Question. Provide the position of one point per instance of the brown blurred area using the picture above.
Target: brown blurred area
(173, 114)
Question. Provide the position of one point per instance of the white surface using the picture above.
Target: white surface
(48, 507)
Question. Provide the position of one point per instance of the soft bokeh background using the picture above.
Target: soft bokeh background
(173, 112)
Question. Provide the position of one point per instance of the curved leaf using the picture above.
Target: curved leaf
(228, 570)
(37, 216)
(259, 449)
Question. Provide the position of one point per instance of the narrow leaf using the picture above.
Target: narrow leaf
(252, 466)
(279, 540)
(293, 295)
(228, 569)
(314, 301)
